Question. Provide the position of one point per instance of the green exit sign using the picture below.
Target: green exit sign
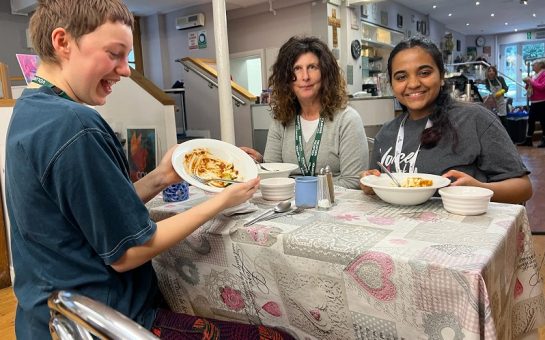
(528, 35)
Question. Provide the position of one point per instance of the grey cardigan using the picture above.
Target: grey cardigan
(343, 147)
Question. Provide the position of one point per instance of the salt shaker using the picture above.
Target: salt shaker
(329, 177)
(323, 199)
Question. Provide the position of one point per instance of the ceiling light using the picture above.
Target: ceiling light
(434, 6)
(491, 14)
(506, 24)
(524, 2)
(516, 29)
(450, 14)
(477, 3)
(467, 23)
(534, 15)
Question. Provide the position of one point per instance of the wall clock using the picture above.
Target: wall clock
(355, 49)
(479, 41)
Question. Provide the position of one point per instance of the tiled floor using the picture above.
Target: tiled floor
(534, 159)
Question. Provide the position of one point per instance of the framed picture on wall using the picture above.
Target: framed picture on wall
(458, 45)
(364, 12)
(399, 21)
(141, 151)
(28, 64)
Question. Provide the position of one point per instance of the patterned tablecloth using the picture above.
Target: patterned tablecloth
(362, 270)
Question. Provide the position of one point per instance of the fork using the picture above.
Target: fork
(206, 180)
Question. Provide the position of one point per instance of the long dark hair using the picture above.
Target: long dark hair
(333, 95)
(442, 126)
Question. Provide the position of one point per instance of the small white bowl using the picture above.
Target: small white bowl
(276, 170)
(277, 188)
(389, 192)
(466, 200)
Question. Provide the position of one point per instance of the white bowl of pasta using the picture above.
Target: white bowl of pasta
(416, 188)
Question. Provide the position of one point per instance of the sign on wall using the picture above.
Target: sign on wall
(197, 40)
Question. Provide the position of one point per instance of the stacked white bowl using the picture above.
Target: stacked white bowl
(465, 200)
(277, 188)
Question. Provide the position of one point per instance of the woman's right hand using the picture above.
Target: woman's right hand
(368, 190)
(239, 193)
(252, 153)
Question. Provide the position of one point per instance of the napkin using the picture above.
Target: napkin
(243, 208)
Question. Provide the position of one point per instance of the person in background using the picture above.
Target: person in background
(77, 221)
(536, 91)
(312, 125)
(441, 136)
(497, 87)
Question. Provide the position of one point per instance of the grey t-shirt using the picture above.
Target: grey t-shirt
(484, 149)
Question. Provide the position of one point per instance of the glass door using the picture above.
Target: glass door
(514, 66)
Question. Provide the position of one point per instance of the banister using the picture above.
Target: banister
(211, 82)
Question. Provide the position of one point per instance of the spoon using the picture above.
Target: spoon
(279, 208)
(389, 174)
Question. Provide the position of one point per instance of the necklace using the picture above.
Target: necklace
(44, 82)
(307, 169)
(399, 145)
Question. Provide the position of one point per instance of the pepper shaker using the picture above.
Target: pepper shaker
(329, 177)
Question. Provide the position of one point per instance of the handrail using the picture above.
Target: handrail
(211, 82)
(73, 316)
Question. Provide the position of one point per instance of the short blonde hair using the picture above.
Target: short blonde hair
(77, 17)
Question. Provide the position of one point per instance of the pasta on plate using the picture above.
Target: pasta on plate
(205, 165)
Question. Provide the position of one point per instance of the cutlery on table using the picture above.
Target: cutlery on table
(281, 207)
(295, 211)
(389, 174)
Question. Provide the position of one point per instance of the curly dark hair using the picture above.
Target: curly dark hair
(442, 126)
(332, 93)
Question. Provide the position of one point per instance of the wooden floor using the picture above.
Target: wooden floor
(534, 159)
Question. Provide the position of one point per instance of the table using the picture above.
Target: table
(362, 270)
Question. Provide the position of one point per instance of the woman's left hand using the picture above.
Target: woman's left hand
(461, 178)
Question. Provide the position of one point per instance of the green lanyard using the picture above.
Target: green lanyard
(44, 82)
(307, 169)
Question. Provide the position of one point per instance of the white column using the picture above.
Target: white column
(224, 73)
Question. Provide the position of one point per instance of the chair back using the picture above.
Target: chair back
(75, 316)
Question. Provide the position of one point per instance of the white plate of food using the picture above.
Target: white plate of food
(416, 188)
(211, 158)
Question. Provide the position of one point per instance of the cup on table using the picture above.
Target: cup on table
(176, 192)
(305, 191)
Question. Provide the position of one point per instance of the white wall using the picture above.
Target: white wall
(131, 106)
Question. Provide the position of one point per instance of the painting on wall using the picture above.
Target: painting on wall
(487, 50)
(472, 52)
(141, 151)
(28, 64)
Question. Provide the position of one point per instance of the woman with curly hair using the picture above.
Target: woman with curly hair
(438, 135)
(313, 126)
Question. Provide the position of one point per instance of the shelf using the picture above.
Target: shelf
(376, 43)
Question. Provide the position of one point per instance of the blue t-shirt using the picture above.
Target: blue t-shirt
(73, 212)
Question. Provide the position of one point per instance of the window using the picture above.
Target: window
(515, 68)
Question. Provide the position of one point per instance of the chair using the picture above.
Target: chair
(75, 316)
